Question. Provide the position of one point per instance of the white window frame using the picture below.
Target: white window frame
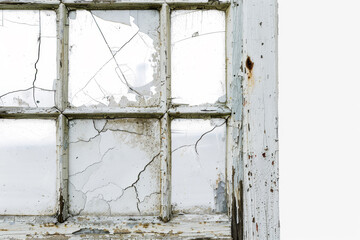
(252, 120)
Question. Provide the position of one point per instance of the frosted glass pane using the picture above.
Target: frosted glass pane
(27, 58)
(27, 167)
(114, 58)
(198, 166)
(198, 56)
(114, 167)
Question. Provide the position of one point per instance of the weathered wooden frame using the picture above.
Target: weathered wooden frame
(251, 113)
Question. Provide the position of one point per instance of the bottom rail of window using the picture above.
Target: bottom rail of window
(134, 227)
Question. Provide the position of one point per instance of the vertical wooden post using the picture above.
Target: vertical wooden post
(165, 154)
(62, 122)
(253, 132)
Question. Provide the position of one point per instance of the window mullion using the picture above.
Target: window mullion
(62, 121)
(62, 58)
(165, 152)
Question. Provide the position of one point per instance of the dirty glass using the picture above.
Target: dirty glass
(27, 58)
(198, 56)
(27, 167)
(114, 58)
(114, 167)
(198, 166)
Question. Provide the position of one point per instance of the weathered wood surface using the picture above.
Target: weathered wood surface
(108, 4)
(199, 112)
(16, 112)
(165, 154)
(112, 112)
(253, 138)
(181, 227)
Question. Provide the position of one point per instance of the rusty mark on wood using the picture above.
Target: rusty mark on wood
(60, 216)
(249, 64)
(249, 69)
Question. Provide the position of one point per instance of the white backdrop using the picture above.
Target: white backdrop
(319, 105)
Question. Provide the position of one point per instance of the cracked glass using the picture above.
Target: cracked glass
(114, 58)
(198, 166)
(27, 167)
(198, 57)
(114, 167)
(28, 58)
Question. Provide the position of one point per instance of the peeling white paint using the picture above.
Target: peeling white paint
(114, 58)
(114, 167)
(28, 58)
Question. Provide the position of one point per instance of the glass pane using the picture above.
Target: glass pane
(27, 58)
(27, 167)
(114, 167)
(198, 166)
(114, 58)
(198, 56)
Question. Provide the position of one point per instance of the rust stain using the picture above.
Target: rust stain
(257, 227)
(49, 225)
(249, 64)
(60, 216)
(249, 67)
(121, 231)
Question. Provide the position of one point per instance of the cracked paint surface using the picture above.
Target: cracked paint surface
(198, 56)
(198, 166)
(28, 58)
(114, 58)
(27, 167)
(114, 167)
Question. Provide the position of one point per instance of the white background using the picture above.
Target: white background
(319, 62)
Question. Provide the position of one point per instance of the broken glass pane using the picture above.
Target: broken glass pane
(198, 166)
(114, 58)
(28, 58)
(27, 167)
(114, 167)
(198, 56)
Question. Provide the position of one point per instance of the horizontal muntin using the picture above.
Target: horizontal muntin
(20, 112)
(199, 111)
(113, 112)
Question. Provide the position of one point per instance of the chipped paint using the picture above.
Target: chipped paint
(253, 140)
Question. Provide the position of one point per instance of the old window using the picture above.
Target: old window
(127, 118)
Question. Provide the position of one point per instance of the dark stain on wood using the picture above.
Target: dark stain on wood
(237, 219)
(60, 216)
(91, 231)
(249, 64)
